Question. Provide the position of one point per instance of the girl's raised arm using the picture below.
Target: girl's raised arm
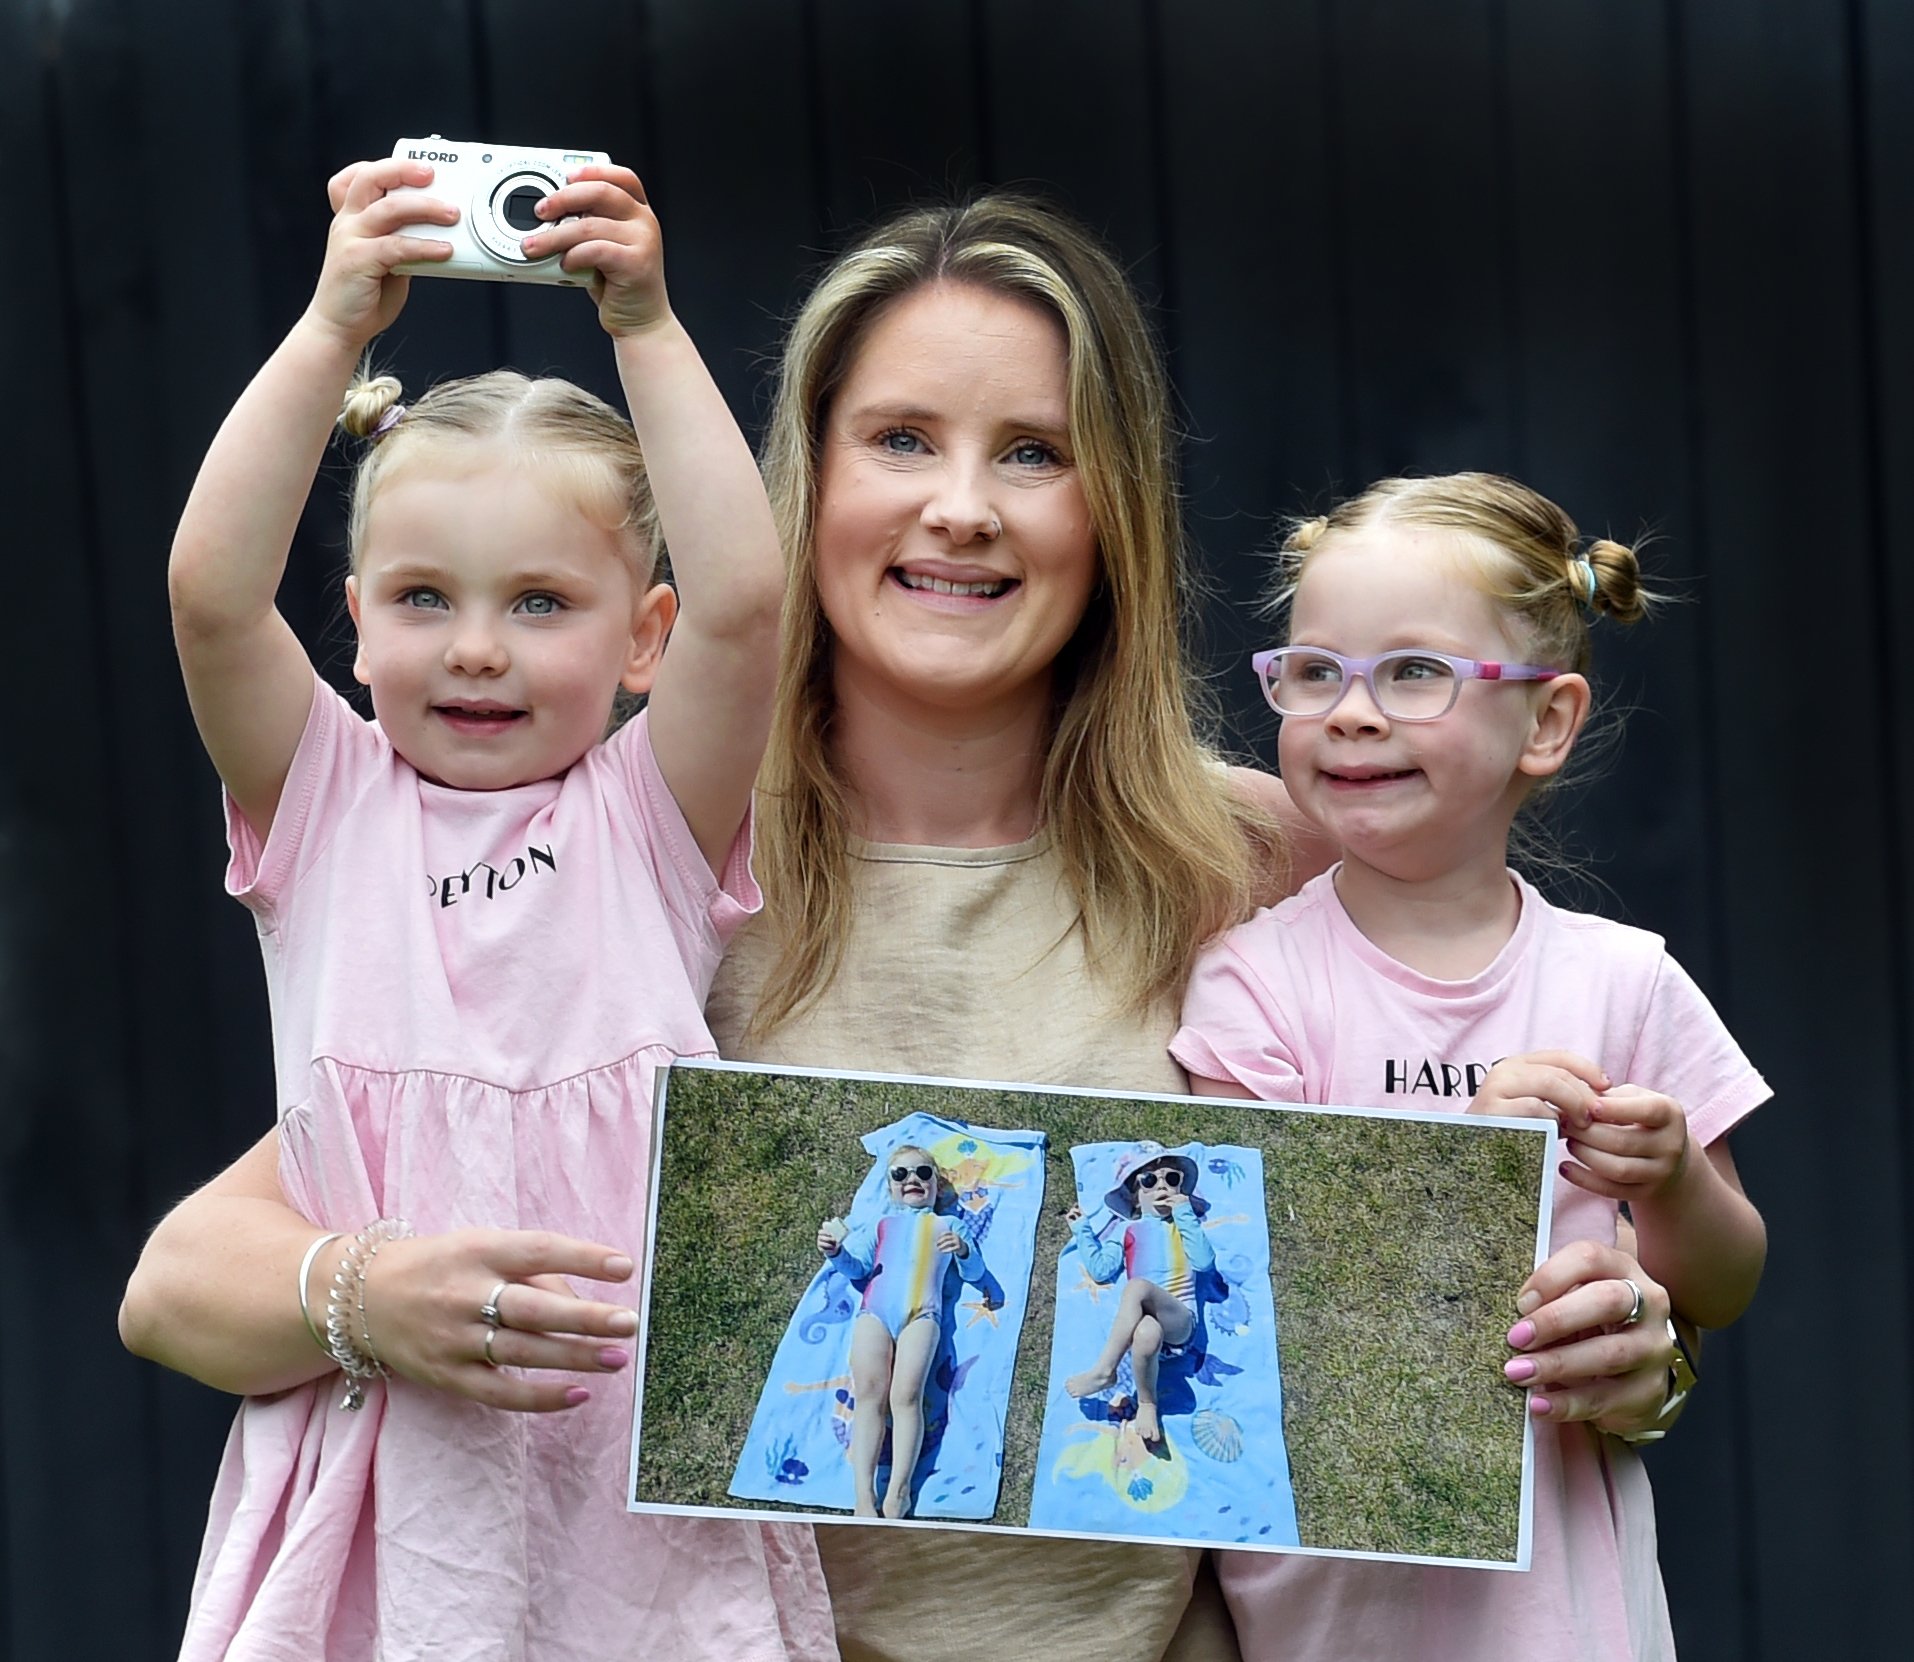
(247, 677)
(711, 702)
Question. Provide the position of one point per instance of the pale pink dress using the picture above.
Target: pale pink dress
(471, 992)
(1298, 1006)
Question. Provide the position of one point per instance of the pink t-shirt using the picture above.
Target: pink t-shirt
(471, 992)
(1299, 1006)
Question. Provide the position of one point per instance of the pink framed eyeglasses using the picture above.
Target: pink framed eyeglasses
(1411, 684)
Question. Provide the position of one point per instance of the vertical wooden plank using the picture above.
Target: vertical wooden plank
(1785, 441)
(1881, 46)
(737, 185)
(1425, 221)
(59, 928)
(1884, 43)
(1252, 267)
(555, 331)
(1605, 296)
(209, 1093)
(1602, 297)
(1070, 107)
(895, 105)
(382, 73)
(100, 803)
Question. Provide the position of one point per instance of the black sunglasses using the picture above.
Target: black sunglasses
(923, 1174)
(1168, 1176)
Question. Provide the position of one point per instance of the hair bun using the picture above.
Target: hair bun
(1618, 581)
(366, 402)
(1304, 534)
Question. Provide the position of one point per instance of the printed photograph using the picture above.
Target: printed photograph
(890, 1302)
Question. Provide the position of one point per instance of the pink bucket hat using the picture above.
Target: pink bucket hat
(1148, 1154)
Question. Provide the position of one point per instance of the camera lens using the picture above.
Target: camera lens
(505, 211)
(518, 209)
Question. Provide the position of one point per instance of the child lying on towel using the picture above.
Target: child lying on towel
(903, 1261)
(1163, 1251)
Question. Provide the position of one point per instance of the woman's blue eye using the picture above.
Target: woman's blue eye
(1033, 453)
(900, 441)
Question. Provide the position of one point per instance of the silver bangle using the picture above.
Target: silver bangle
(347, 1295)
(305, 1275)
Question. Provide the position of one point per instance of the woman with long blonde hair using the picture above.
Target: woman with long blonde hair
(990, 836)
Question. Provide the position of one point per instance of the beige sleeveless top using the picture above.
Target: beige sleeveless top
(968, 963)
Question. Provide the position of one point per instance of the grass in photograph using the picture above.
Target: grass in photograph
(1396, 1249)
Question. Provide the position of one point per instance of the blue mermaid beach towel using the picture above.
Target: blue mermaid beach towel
(797, 1450)
(1220, 1471)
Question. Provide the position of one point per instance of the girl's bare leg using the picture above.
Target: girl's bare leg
(1140, 1299)
(871, 1352)
(916, 1347)
(1143, 1354)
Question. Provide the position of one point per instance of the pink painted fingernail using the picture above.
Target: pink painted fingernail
(576, 1396)
(1519, 1370)
(612, 1357)
(1528, 1304)
(1522, 1335)
(1539, 1406)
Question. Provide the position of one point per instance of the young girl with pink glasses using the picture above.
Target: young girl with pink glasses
(1434, 680)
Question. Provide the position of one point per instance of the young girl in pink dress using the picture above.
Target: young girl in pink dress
(1433, 681)
(486, 924)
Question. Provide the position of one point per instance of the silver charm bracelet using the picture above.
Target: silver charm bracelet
(345, 1298)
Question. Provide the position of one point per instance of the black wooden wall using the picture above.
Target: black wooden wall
(1654, 256)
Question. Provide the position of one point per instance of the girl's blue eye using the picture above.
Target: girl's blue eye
(423, 599)
(1419, 669)
(540, 605)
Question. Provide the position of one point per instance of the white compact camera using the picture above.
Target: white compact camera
(495, 187)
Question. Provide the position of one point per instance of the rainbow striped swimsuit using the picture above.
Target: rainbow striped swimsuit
(1153, 1250)
(907, 1270)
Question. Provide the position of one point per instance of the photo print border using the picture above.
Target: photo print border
(1396, 1239)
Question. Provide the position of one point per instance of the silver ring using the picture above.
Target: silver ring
(489, 1312)
(490, 1361)
(1635, 1310)
(994, 529)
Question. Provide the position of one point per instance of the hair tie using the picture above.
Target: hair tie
(387, 422)
(1582, 573)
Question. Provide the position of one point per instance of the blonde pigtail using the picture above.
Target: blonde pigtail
(369, 403)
